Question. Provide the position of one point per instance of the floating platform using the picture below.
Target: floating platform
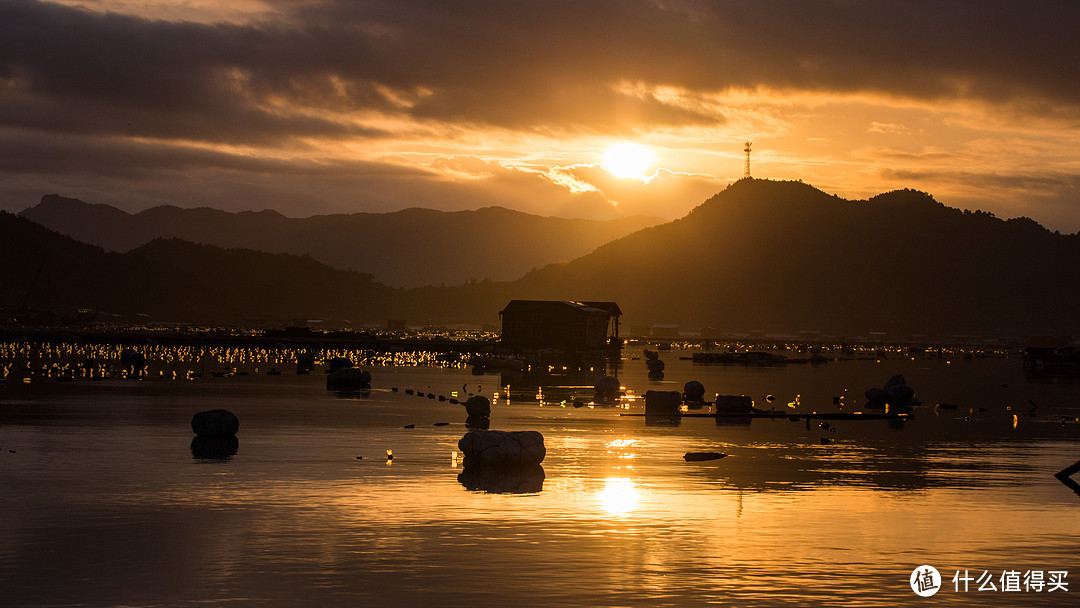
(790, 416)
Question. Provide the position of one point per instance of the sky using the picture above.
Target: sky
(339, 106)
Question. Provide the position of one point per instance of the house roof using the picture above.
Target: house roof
(610, 307)
(607, 308)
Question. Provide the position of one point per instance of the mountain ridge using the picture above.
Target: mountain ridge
(764, 254)
(781, 257)
(406, 248)
(170, 280)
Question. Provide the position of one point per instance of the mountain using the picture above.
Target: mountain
(784, 256)
(775, 256)
(407, 248)
(176, 281)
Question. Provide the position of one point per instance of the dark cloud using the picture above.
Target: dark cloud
(519, 64)
(22, 153)
(137, 174)
(86, 93)
(1022, 182)
(511, 52)
(74, 71)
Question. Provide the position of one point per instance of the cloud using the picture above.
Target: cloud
(886, 127)
(557, 63)
(21, 153)
(426, 102)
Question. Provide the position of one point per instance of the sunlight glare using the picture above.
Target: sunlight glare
(619, 496)
(628, 160)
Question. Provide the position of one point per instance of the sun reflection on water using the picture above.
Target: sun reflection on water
(622, 449)
(620, 496)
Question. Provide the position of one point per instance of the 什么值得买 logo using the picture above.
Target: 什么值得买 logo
(925, 581)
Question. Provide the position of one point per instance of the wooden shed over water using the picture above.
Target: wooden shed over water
(560, 324)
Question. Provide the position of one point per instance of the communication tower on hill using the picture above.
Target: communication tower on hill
(746, 173)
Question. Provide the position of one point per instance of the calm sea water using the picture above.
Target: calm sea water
(105, 504)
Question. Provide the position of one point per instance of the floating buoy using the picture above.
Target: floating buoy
(502, 448)
(702, 456)
(215, 423)
(478, 405)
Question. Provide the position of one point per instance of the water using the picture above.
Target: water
(104, 503)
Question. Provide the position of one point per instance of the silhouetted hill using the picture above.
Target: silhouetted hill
(784, 256)
(776, 256)
(406, 248)
(173, 280)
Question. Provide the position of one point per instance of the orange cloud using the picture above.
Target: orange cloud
(339, 105)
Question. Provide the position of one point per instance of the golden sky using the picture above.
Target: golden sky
(331, 106)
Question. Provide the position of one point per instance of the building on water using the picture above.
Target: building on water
(560, 324)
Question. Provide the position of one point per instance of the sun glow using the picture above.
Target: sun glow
(628, 160)
(619, 496)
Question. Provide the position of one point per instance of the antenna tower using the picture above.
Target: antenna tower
(746, 173)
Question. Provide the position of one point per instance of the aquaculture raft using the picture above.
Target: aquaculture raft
(790, 415)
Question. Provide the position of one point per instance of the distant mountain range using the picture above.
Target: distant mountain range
(173, 280)
(786, 256)
(774, 256)
(408, 248)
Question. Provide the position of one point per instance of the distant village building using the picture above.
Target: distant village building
(560, 324)
(665, 330)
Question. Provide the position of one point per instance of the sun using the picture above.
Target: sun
(628, 160)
